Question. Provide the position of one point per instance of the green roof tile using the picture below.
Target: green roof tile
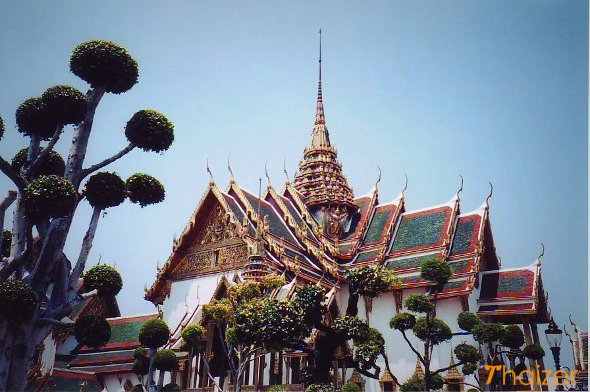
(419, 231)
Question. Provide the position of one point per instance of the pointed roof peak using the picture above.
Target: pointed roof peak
(320, 135)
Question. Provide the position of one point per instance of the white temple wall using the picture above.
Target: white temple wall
(112, 384)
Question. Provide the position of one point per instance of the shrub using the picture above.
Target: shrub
(150, 131)
(487, 332)
(171, 387)
(533, 351)
(66, 104)
(154, 333)
(5, 243)
(193, 337)
(52, 164)
(103, 278)
(512, 337)
(104, 190)
(138, 388)
(34, 118)
(351, 327)
(412, 386)
(466, 353)
(468, 320)
(50, 197)
(370, 280)
(440, 331)
(144, 189)
(419, 303)
(402, 321)
(310, 299)
(105, 65)
(165, 360)
(469, 368)
(140, 353)
(17, 301)
(92, 331)
(141, 367)
(436, 271)
(351, 387)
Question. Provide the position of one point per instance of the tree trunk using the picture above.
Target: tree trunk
(151, 382)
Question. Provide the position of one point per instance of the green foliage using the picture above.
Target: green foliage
(50, 197)
(1, 128)
(141, 367)
(370, 280)
(53, 163)
(368, 347)
(247, 291)
(435, 270)
(277, 388)
(231, 336)
(439, 330)
(34, 118)
(269, 323)
(150, 131)
(144, 189)
(92, 331)
(272, 282)
(468, 320)
(17, 301)
(310, 299)
(104, 190)
(351, 327)
(5, 243)
(138, 388)
(165, 360)
(402, 321)
(193, 336)
(103, 278)
(105, 65)
(436, 382)
(171, 387)
(512, 337)
(154, 333)
(469, 368)
(319, 388)
(412, 385)
(487, 332)
(466, 353)
(419, 303)
(533, 351)
(218, 311)
(350, 387)
(66, 104)
(140, 353)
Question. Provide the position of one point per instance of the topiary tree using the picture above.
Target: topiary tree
(47, 194)
(433, 331)
(165, 361)
(153, 334)
(93, 331)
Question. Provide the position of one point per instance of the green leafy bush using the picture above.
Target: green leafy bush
(17, 301)
(468, 320)
(419, 303)
(440, 331)
(150, 131)
(487, 332)
(351, 327)
(512, 337)
(435, 270)
(52, 164)
(533, 351)
(104, 190)
(50, 197)
(66, 104)
(466, 353)
(141, 367)
(103, 278)
(34, 118)
(370, 280)
(154, 333)
(92, 331)
(351, 387)
(402, 321)
(469, 368)
(193, 336)
(165, 360)
(105, 65)
(310, 299)
(144, 189)
(6, 243)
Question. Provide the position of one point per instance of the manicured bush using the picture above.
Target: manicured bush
(402, 321)
(468, 320)
(154, 333)
(350, 387)
(512, 337)
(17, 301)
(66, 104)
(487, 332)
(435, 270)
(141, 367)
(103, 278)
(92, 331)
(150, 131)
(104, 64)
(104, 190)
(165, 360)
(370, 280)
(469, 368)
(52, 164)
(419, 303)
(466, 353)
(144, 189)
(193, 337)
(50, 197)
(440, 331)
(34, 118)
(533, 351)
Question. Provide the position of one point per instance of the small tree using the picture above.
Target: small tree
(48, 190)
(153, 334)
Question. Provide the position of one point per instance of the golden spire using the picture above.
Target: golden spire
(320, 136)
(418, 372)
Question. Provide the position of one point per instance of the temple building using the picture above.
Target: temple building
(312, 230)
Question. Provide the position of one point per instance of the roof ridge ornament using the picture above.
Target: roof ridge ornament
(233, 178)
(405, 185)
(378, 179)
(538, 261)
(211, 180)
(266, 174)
(285, 171)
(490, 194)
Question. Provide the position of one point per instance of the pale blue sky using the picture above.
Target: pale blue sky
(493, 90)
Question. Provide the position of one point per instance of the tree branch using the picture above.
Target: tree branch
(420, 357)
(55, 322)
(7, 202)
(449, 367)
(7, 169)
(84, 252)
(45, 152)
(107, 161)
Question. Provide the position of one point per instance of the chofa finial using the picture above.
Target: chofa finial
(211, 181)
(378, 179)
(266, 173)
(461, 187)
(490, 194)
(405, 184)
(230, 170)
(542, 253)
(285, 171)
